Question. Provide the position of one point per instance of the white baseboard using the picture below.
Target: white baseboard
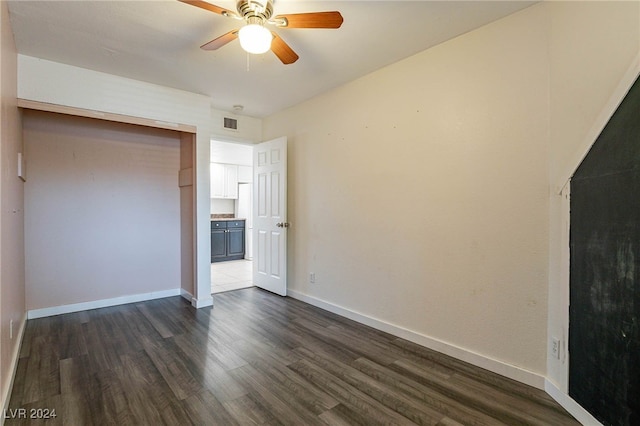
(15, 357)
(575, 409)
(85, 306)
(516, 373)
(202, 303)
(186, 295)
(196, 303)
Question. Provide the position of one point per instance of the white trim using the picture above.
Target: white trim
(109, 116)
(6, 392)
(186, 295)
(580, 414)
(95, 304)
(498, 367)
(202, 303)
(600, 122)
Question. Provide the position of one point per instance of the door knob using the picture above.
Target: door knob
(282, 224)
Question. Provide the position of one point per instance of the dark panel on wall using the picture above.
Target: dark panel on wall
(604, 315)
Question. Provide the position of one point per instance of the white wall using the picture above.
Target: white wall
(102, 210)
(419, 196)
(221, 206)
(231, 153)
(12, 297)
(249, 128)
(46, 81)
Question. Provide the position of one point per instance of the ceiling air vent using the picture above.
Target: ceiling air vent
(230, 123)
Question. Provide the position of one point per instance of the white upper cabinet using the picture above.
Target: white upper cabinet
(224, 181)
(217, 180)
(231, 163)
(230, 181)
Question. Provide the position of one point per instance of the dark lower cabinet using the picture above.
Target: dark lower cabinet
(218, 244)
(235, 242)
(227, 240)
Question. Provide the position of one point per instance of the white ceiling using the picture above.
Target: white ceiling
(158, 42)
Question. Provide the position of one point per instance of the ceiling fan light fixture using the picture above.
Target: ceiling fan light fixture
(255, 38)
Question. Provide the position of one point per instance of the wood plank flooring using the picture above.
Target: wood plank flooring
(254, 358)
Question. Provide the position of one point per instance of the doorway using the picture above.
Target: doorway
(231, 216)
(268, 174)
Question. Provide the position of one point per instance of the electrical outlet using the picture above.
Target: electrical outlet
(10, 329)
(312, 277)
(555, 347)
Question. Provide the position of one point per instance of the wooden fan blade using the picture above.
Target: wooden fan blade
(220, 41)
(310, 20)
(282, 50)
(208, 6)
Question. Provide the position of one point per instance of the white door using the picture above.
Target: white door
(270, 216)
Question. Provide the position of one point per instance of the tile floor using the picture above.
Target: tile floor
(231, 275)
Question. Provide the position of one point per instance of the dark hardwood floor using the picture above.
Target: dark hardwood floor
(255, 358)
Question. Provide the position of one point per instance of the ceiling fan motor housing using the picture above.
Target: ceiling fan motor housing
(252, 9)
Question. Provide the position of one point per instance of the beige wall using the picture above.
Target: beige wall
(12, 299)
(102, 210)
(419, 193)
(425, 195)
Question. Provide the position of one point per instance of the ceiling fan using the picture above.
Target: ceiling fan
(255, 37)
